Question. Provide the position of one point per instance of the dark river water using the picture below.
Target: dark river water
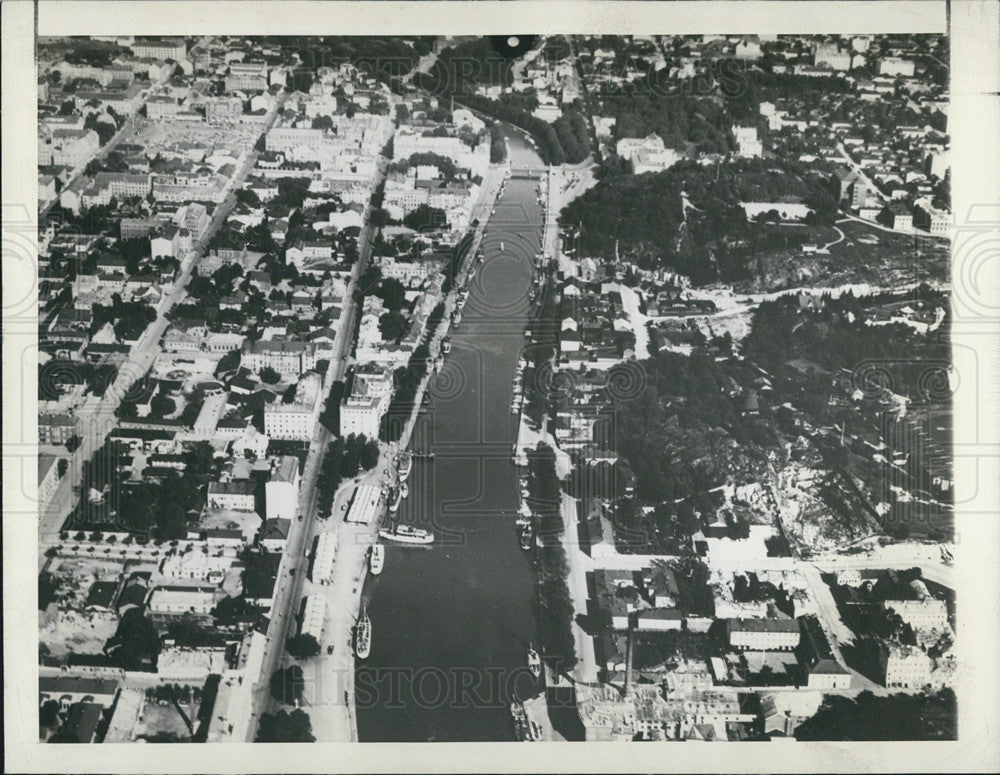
(452, 621)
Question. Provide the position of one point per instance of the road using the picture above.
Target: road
(586, 669)
(292, 572)
(96, 418)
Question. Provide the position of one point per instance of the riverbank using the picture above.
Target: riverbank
(334, 714)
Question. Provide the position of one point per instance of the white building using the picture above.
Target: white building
(896, 66)
(362, 411)
(906, 667)
(296, 420)
(314, 616)
(236, 494)
(281, 493)
(166, 603)
(746, 138)
(927, 614)
(160, 49)
(764, 634)
(288, 358)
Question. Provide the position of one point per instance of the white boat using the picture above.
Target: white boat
(446, 345)
(501, 247)
(405, 534)
(376, 560)
(394, 498)
(404, 490)
(405, 465)
(363, 635)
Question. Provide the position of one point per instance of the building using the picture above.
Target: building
(274, 536)
(48, 478)
(896, 66)
(822, 669)
(161, 106)
(763, 634)
(288, 358)
(224, 110)
(906, 667)
(326, 549)
(236, 494)
(366, 504)
(927, 614)
(163, 48)
(247, 76)
(73, 147)
(659, 619)
(68, 690)
(900, 217)
(178, 602)
(829, 55)
(746, 139)
(55, 428)
(281, 493)
(361, 413)
(859, 193)
(296, 420)
(166, 242)
(313, 616)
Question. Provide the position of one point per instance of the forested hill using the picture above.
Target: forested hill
(709, 240)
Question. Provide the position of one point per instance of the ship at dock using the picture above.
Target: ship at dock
(363, 635)
(404, 464)
(522, 731)
(395, 497)
(406, 534)
(527, 534)
(376, 560)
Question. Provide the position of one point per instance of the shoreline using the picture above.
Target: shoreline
(355, 541)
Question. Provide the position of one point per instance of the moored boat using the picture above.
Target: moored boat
(363, 635)
(527, 533)
(376, 560)
(405, 534)
(405, 465)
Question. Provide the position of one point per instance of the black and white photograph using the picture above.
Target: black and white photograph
(493, 388)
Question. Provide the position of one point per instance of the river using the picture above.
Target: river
(452, 622)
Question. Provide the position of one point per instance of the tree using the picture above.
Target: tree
(285, 727)
(287, 685)
(426, 218)
(161, 406)
(62, 467)
(269, 375)
(128, 410)
(393, 326)
(303, 646)
(369, 453)
(393, 294)
(322, 122)
(48, 715)
(135, 644)
(73, 443)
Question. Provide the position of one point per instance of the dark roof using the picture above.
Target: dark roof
(81, 724)
(102, 594)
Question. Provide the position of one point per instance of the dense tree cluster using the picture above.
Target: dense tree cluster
(556, 605)
(896, 717)
(689, 219)
(285, 727)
